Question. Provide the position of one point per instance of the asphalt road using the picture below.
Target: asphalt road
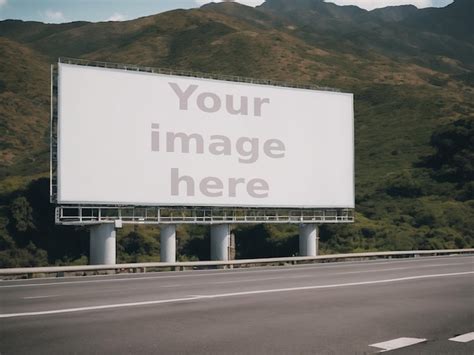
(337, 308)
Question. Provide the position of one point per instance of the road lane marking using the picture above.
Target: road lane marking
(36, 297)
(255, 280)
(397, 343)
(304, 288)
(238, 281)
(111, 280)
(319, 266)
(464, 338)
(396, 268)
(106, 306)
(224, 295)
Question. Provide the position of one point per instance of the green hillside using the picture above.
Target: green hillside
(411, 72)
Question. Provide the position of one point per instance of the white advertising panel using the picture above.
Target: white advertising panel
(138, 138)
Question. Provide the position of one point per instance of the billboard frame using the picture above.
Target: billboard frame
(86, 214)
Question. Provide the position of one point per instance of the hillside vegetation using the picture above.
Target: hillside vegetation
(411, 72)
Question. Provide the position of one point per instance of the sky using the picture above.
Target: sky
(58, 11)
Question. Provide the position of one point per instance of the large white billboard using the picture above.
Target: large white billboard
(139, 138)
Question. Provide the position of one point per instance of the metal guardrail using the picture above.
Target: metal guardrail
(143, 267)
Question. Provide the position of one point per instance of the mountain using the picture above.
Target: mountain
(411, 71)
(24, 108)
(454, 20)
(395, 13)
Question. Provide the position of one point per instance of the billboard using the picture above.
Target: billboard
(137, 138)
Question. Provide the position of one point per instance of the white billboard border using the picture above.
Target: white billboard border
(295, 215)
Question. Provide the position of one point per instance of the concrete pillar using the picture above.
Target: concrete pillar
(102, 244)
(168, 243)
(308, 240)
(220, 241)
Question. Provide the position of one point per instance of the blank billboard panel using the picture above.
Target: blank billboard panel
(139, 138)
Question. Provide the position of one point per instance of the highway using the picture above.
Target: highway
(413, 306)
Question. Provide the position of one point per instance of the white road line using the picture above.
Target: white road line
(397, 343)
(107, 306)
(464, 338)
(397, 268)
(106, 280)
(36, 297)
(239, 281)
(223, 295)
(312, 275)
(255, 280)
(222, 273)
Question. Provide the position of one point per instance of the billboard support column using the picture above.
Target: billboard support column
(168, 243)
(220, 242)
(309, 240)
(102, 244)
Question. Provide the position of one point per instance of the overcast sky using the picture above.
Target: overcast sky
(57, 11)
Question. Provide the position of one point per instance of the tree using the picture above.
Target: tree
(21, 213)
(454, 157)
(402, 185)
